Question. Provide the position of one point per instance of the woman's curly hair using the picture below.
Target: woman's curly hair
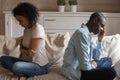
(27, 10)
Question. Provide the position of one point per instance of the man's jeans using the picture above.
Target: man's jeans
(104, 62)
(22, 68)
(104, 71)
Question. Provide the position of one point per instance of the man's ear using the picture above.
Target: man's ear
(94, 21)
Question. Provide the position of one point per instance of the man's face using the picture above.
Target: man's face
(99, 26)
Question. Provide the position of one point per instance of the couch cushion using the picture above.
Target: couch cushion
(55, 47)
(9, 46)
(111, 47)
(49, 76)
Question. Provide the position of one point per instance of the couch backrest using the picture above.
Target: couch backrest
(56, 45)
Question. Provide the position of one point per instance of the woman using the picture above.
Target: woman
(32, 45)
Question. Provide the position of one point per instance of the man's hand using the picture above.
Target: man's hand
(93, 63)
(101, 34)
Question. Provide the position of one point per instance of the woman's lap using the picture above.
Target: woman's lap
(21, 67)
(29, 69)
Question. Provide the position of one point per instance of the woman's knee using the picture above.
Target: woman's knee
(17, 67)
(3, 59)
(21, 66)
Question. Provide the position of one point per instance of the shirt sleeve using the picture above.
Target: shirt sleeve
(97, 51)
(83, 50)
(38, 32)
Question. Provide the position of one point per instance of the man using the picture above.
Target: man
(81, 59)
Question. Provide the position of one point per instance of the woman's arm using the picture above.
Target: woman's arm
(23, 49)
(35, 44)
(33, 48)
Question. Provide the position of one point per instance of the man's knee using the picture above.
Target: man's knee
(112, 73)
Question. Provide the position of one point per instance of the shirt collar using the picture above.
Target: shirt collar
(86, 28)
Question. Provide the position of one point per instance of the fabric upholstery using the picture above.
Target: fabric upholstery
(55, 47)
(9, 46)
(111, 47)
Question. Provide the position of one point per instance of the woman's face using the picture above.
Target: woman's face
(22, 21)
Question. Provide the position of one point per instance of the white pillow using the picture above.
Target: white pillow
(9, 46)
(111, 47)
(55, 47)
(114, 48)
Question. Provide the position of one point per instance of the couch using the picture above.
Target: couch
(55, 47)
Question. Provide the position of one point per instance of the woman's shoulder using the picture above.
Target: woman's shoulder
(38, 25)
(38, 31)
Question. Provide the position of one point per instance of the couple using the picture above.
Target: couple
(81, 60)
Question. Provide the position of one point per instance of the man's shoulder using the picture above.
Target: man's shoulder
(81, 30)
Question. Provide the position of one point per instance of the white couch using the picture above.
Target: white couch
(55, 47)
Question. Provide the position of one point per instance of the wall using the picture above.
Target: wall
(50, 5)
(0, 17)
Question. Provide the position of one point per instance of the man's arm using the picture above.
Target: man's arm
(98, 50)
(83, 51)
(101, 34)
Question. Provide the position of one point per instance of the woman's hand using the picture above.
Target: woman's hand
(31, 52)
(23, 49)
(33, 48)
